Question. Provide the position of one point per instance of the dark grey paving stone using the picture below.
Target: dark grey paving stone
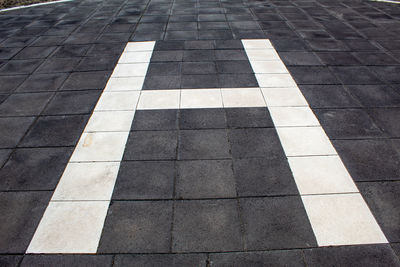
(312, 75)
(211, 17)
(371, 58)
(20, 66)
(276, 223)
(196, 45)
(86, 80)
(34, 168)
(369, 160)
(105, 49)
(337, 58)
(248, 117)
(151, 145)
(199, 81)
(314, 34)
(137, 227)
(153, 82)
(4, 154)
(255, 142)
(55, 131)
(161, 260)
(18, 41)
(154, 19)
(361, 255)
(58, 65)
(13, 129)
(327, 45)
(182, 26)
(244, 25)
(375, 95)
(228, 44)
(67, 260)
(202, 119)
(80, 102)
(10, 260)
(382, 199)
(389, 74)
(48, 40)
(113, 37)
(206, 225)
(270, 258)
(21, 213)
(230, 55)
(299, 58)
(71, 51)
(328, 96)
(199, 68)
(147, 36)
(169, 45)
(203, 144)
(199, 55)
(81, 38)
(184, 18)
(145, 180)
(387, 119)
(8, 52)
(35, 52)
(282, 45)
(165, 68)
(10, 83)
(360, 45)
(151, 27)
(97, 63)
(263, 177)
(396, 249)
(159, 56)
(234, 67)
(355, 75)
(43, 82)
(27, 104)
(348, 124)
(237, 80)
(146, 120)
(205, 179)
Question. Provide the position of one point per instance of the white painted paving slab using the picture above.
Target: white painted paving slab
(257, 44)
(159, 99)
(87, 181)
(110, 121)
(201, 98)
(321, 175)
(130, 70)
(293, 116)
(276, 66)
(70, 227)
(125, 84)
(139, 46)
(262, 55)
(135, 57)
(284, 97)
(275, 80)
(118, 101)
(242, 97)
(342, 219)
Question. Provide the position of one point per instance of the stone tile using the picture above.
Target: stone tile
(21, 213)
(159, 99)
(284, 97)
(8, 52)
(202, 119)
(87, 181)
(387, 119)
(276, 223)
(154, 82)
(43, 82)
(98, 63)
(86, 80)
(137, 227)
(387, 73)
(110, 121)
(355, 75)
(237, 80)
(205, 179)
(35, 52)
(163, 56)
(369, 160)
(338, 58)
(366, 255)
(199, 68)
(248, 117)
(27, 104)
(28, 169)
(10, 260)
(234, 67)
(271, 258)
(70, 227)
(112, 101)
(4, 154)
(375, 95)
(272, 66)
(312, 75)
(55, 131)
(155, 120)
(245, 97)
(80, 102)
(305, 141)
(382, 198)
(255, 142)
(203, 144)
(13, 129)
(124, 84)
(348, 124)
(20, 66)
(71, 51)
(300, 58)
(151, 145)
(231, 55)
(10, 83)
(200, 81)
(206, 225)
(198, 55)
(346, 227)
(275, 80)
(293, 116)
(164, 68)
(67, 260)
(328, 96)
(204, 98)
(263, 177)
(58, 65)
(145, 180)
(130, 70)
(100, 146)
(173, 260)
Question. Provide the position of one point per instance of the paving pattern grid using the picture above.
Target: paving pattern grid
(56, 59)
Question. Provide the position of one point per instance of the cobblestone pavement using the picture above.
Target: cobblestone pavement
(200, 133)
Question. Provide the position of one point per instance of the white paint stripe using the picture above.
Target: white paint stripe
(73, 221)
(387, 1)
(34, 5)
(336, 218)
